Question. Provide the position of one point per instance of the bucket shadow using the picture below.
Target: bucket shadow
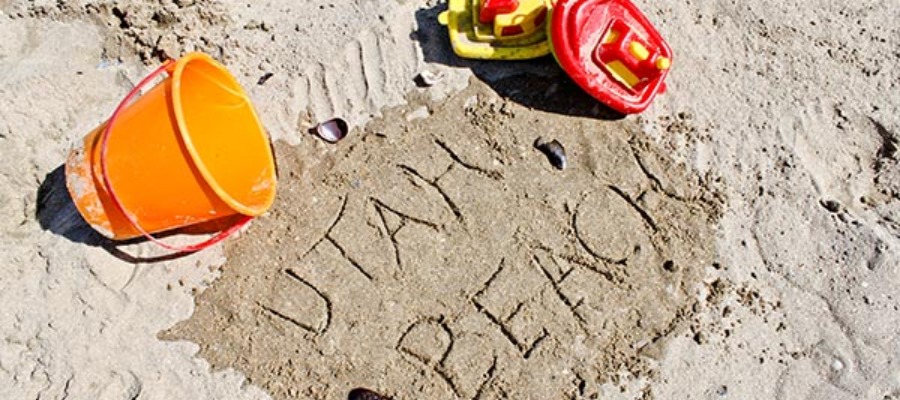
(57, 213)
(539, 83)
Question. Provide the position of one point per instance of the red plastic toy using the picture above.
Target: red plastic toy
(490, 9)
(611, 50)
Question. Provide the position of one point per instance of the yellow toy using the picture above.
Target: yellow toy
(498, 29)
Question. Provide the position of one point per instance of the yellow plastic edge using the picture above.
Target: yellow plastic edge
(192, 150)
(460, 9)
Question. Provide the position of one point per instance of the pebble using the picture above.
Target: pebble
(428, 78)
(837, 365)
(419, 113)
(722, 391)
(265, 78)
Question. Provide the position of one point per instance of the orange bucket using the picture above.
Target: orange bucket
(188, 151)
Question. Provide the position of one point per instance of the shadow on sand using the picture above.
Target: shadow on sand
(57, 213)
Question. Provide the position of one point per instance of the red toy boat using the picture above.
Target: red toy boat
(611, 50)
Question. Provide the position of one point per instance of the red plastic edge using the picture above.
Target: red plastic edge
(564, 36)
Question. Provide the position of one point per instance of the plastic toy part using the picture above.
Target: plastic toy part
(509, 34)
(611, 50)
(627, 58)
(524, 20)
(490, 8)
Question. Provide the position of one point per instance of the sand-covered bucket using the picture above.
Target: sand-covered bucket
(188, 151)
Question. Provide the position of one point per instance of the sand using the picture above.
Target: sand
(434, 253)
(458, 263)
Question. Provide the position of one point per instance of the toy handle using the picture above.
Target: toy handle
(165, 67)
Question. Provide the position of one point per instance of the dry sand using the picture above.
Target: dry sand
(435, 254)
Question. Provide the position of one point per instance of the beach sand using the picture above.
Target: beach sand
(740, 239)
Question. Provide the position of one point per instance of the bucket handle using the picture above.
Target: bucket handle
(165, 67)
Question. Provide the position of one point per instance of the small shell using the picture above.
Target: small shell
(365, 394)
(428, 78)
(554, 151)
(332, 130)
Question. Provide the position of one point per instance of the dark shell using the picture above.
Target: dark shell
(265, 78)
(365, 394)
(332, 130)
(554, 151)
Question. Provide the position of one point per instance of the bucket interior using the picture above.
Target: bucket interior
(223, 135)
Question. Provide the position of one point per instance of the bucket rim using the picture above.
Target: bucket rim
(183, 133)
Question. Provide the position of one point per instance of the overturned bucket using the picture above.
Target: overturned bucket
(188, 151)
